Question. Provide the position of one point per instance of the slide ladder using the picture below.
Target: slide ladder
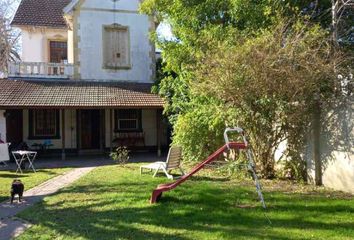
(157, 193)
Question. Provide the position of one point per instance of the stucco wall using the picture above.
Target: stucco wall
(339, 174)
(85, 42)
(70, 131)
(91, 17)
(126, 5)
(2, 126)
(148, 124)
(70, 46)
(35, 43)
(150, 127)
(337, 151)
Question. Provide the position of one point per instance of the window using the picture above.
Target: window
(128, 120)
(58, 51)
(44, 123)
(116, 49)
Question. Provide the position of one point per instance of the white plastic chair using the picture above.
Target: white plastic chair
(173, 161)
(4, 153)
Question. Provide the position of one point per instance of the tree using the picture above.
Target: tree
(233, 62)
(8, 36)
(342, 21)
(342, 17)
(188, 18)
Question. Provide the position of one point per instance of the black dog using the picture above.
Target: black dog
(17, 187)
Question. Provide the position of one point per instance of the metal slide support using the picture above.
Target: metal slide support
(251, 165)
(238, 130)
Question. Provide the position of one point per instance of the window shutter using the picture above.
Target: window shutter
(123, 46)
(116, 46)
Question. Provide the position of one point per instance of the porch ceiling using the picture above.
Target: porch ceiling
(76, 94)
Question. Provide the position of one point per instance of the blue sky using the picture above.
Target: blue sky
(164, 30)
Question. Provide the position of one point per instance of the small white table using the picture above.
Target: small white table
(21, 156)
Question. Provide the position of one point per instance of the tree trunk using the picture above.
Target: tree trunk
(335, 6)
(317, 143)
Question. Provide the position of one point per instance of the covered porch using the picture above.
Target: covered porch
(70, 118)
(86, 161)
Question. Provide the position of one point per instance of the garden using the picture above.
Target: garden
(117, 206)
(29, 178)
(281, 70)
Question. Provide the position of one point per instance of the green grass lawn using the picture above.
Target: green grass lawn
(29, 179)
(112, 202)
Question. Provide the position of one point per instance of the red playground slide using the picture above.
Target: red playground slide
(157, 193)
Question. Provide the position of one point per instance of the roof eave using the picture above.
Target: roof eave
(38, 26)
(79, 107)
(70, 7)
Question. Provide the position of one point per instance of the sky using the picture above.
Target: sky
(164, 30)
(9, 6)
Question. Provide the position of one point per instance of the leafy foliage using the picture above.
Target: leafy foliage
(273, 80)
(120, 155)
(200, 130)
(263, 65)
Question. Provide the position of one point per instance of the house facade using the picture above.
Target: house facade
(85, 77)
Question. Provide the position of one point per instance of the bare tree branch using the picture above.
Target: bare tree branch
(339, 10)
(8, 36)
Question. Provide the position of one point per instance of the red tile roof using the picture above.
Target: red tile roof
(76, 94)
(47, 13)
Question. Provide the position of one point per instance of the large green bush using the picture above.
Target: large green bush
(200, 130)
(262, 65)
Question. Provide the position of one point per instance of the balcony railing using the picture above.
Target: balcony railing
(41, 70)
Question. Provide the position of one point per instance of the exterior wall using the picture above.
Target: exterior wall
(89, 20)
(2, 126)
(149, 125)
(35, 43)
(337, 152)
(148, 119)
(339, 174)
(70, 47)
(85, 41)
(70, 131)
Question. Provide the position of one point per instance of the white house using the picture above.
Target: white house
(84, 82)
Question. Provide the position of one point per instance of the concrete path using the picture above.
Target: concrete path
(11, 227)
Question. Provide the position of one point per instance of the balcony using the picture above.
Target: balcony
(41, 70)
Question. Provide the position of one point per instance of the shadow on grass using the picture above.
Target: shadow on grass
(212, 179)
(120, 209)
(25, 174)
(13, 175)
(3, 198)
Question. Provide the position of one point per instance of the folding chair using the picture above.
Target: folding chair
(173, 161)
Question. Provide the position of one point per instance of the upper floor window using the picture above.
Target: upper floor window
(116, 47)
(58, 51)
